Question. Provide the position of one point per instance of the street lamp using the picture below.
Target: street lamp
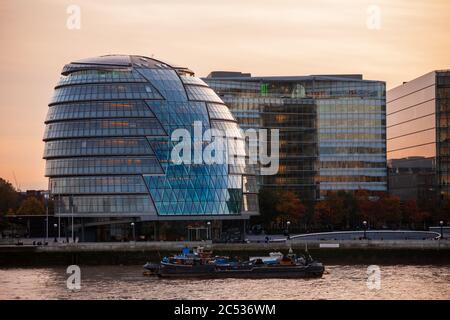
(208, 230)
(46, 196)
(365, 228)
(288, 223)
(55, 226)
(134, 236)
(441, 223)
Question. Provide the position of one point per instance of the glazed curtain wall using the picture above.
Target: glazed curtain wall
(107, 144)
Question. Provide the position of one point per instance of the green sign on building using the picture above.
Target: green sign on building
(264, 89)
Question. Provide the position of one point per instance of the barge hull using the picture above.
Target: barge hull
(254, 273)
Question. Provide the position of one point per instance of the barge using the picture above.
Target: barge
(201, 264)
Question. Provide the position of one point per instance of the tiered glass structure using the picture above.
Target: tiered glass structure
(108, 144)
(332, 128)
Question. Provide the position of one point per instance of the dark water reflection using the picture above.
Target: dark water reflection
(127, 282)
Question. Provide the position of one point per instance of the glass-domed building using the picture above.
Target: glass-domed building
(108, 153)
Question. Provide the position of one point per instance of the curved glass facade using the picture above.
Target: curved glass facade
(104, 127)
(108, 143)
(99, 109)
(97, 147)
(97, 165)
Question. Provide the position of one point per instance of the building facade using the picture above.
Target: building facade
(331, 128)
(108, 147)
(418, 138)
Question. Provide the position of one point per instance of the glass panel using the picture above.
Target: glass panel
(201, 93)
(428, 150)
(219, 111)
(100, 76)
(113, 165)
(418, 111)
(110, 109)
(102, 185)
(94, 147)
(411, 99)
(110, 127)
(411, 140)
(113, 91)
(105, 205)
(413, 126)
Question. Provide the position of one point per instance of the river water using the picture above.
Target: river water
(128, 282)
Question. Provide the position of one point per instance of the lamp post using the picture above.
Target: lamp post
(208, 230)
(46, 216)
(55, 226)
(73, 239)
(134, 235)
(441, 223)
(288, 223)
(57, 208)
(18, 235)
(365, 228)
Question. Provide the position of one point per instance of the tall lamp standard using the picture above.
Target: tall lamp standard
(288, 223)
(208, 230)
(46, 196)
(134, 234)
(55, 226)
(73, 239)
(441, 223)
(365, 228)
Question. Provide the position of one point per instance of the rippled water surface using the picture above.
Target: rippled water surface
(127, 282)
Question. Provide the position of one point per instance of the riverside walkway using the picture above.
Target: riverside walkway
(278, 245)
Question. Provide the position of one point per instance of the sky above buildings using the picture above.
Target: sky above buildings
(390, 40)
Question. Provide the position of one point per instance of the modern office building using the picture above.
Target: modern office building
(418, 137)
(331, 128)
(108, 152)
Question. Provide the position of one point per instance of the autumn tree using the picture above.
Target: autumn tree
(443, 212)
(351, 216)
(323, 215)
(347, 210)
(389, 211)
(421, 219)
(31, 206)
(367, 204)
(410, 212)
(8, 201)
(332, 211)
(267, 199)
(290, 207)
(8, 197)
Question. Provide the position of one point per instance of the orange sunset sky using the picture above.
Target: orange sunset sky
(264, 37)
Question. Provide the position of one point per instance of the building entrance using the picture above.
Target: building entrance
(198, 233)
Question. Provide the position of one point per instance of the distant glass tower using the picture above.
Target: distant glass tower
(418, 138)
(108, 144)
(332, 128)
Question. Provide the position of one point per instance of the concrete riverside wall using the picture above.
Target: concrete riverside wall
(297, 244)
(329, 252)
